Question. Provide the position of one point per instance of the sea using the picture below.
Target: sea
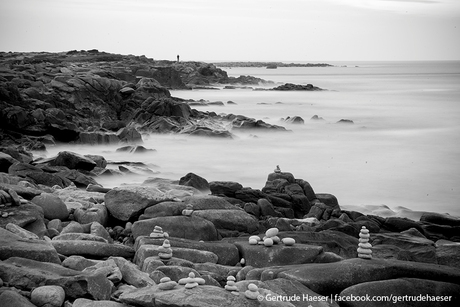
(400, 154)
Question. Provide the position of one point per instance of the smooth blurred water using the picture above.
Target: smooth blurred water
(402, 150)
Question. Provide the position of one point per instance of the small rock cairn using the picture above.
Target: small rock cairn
(364, 247)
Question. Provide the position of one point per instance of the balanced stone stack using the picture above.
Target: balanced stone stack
(165, 251)
(364, 247)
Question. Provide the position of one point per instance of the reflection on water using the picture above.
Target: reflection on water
(402, 150)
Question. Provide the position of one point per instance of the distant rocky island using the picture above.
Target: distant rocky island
(270, 65)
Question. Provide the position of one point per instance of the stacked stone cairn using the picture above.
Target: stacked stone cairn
(364, 247)
(188, 210)
(158, 233)
(167, 284)
(231, 286)
(252, 292)
(165, 250)
(191, 281)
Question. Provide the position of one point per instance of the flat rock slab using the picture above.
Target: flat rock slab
(193, 228)
(331, 240)
(192, 255)
(201, 296)
(92, 248)
(227, 253)
(28, 274)
(332, 278)
(12, 245)
(260, 256)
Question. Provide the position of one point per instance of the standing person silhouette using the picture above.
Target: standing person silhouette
(177, 58)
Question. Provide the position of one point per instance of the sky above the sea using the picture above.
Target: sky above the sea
(238, 30)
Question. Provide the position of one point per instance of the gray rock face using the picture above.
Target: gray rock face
(193, 228)
(27, 274)
(260, 256)
(127, 202)
(12, 245)
(53, 206)
(335, 277)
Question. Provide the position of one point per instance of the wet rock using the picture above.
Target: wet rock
(296, 87)
(195, 181)
(73, 161)
(138, 149)
(227, 188)
(294, 120)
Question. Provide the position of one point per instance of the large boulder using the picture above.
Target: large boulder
(227, 188)
(28, 216)
(53, 206)
(195, 181)
(260, 256)
(29, 274)
(13, 245)
(73, 161)
(127, 202)
(332, 278)
(193, 228)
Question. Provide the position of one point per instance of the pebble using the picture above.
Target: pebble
(252, 293)
(268, 242)
(288, 241)
(271, 232)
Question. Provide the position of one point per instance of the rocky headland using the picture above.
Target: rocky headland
(65, 240)
(94, 97)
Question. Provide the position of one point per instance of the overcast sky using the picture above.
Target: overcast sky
(251, 30)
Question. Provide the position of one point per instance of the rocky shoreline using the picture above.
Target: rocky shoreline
(65, 240)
